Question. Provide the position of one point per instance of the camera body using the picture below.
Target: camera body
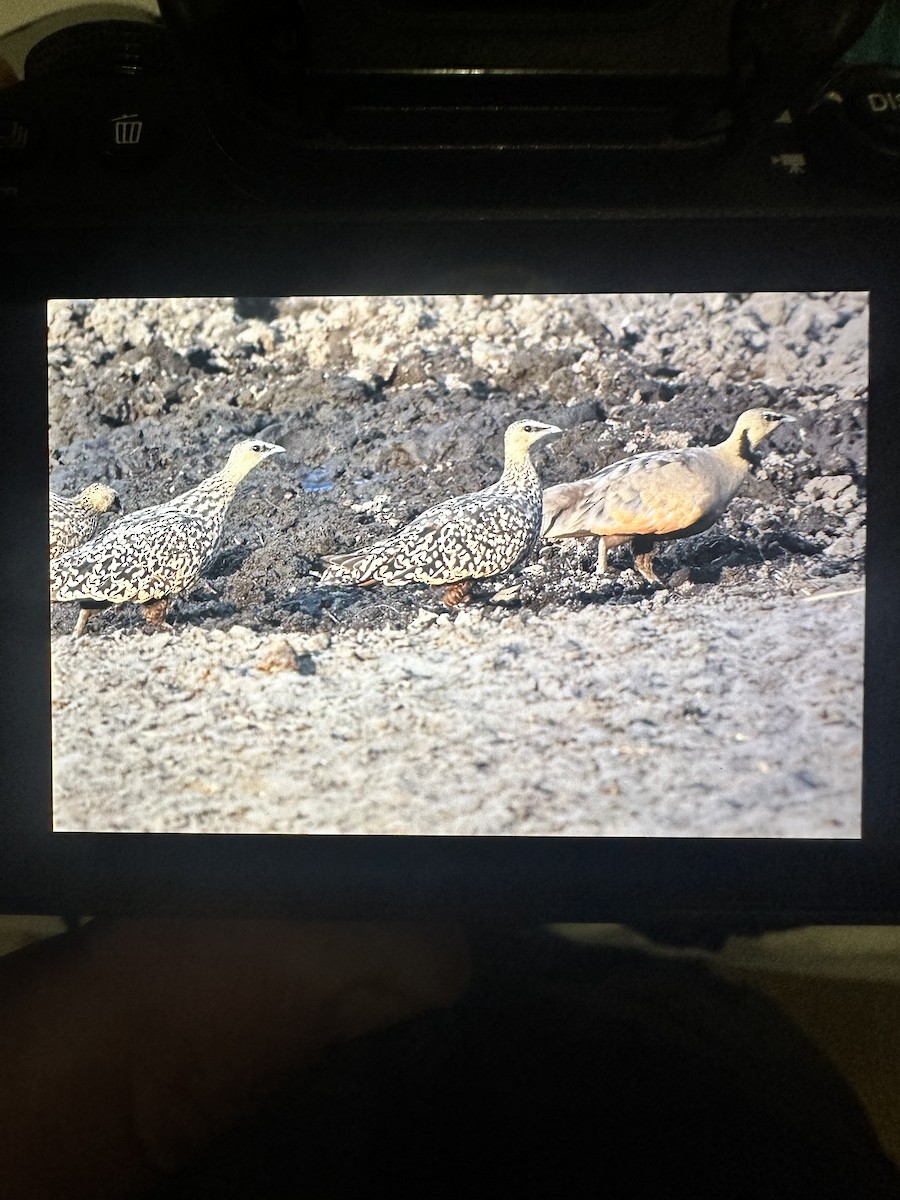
(431, 111)
(380, 150)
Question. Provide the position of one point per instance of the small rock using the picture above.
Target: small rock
(506, 595)
(769, 309)
(831, 486)
(842, 547)
(423, 617)
(852, 521)
(469, 616)
(280, 655)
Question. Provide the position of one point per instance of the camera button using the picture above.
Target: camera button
(127, 134)
(853, 131)
(873, 102)
(19, 133)
(106, 89)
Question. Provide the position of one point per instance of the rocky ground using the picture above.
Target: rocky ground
(728, 704)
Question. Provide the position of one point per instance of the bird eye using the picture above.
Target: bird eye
(256, 448)
(529, 429)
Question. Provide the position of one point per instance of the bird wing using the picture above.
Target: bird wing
(403, 556)
(62, 536)
(366, 564)
(657, 493)
(484, 537)
(466, 537)
(144, 556)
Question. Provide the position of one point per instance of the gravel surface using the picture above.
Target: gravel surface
(728, 704)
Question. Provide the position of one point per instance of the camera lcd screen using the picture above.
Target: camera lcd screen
(685, 658)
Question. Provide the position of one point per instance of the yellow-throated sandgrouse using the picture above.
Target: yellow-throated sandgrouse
(659, 495)
(74, 519)
(476, 536)
(153, 554)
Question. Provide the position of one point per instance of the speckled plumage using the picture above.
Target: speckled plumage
(74, 519)
(475, 536)
(158, 552)
(660, 495)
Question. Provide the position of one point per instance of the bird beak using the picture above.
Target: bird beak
(281, 449)
(787, 418)
(553, 432)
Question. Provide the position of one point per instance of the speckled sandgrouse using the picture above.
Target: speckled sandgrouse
(476, 536)
(657, 496)
(153, 554)
(74, 519)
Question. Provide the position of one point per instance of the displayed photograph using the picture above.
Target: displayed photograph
(521, 565)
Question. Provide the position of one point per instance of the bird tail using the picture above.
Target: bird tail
(568, 512)
(552, 506)
(356, 566)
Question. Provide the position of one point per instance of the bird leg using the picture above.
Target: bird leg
(642, 549)
(600, 568)
(155, 612)
(458, 593)
(84, 615)
(87, 607)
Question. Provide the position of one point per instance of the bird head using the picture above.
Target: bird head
(522, 436)
(101, 498)
(756, 423)
(248, 454)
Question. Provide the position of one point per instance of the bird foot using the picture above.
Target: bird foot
(155, 614)
(458, 593)
(644, 566)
